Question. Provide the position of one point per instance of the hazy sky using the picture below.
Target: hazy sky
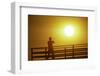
(40, 28)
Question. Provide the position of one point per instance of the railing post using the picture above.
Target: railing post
(73, 50)
(46, 56)
(31, 53)
(65, 52)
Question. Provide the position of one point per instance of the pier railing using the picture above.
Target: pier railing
(60, 52)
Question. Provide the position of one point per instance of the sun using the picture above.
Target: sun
(69, 31)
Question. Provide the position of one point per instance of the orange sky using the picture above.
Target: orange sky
(40, 28)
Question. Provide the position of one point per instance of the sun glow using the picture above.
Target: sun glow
(69, 31)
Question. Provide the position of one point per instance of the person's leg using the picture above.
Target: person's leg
(53, 57)
(48, 53)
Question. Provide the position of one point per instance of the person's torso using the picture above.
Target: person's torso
(50, 44)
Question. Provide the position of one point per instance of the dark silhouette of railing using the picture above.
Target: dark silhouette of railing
(61, 52)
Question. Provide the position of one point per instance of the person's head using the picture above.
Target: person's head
(50, 38)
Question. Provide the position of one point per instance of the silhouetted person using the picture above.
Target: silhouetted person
(50, 48)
